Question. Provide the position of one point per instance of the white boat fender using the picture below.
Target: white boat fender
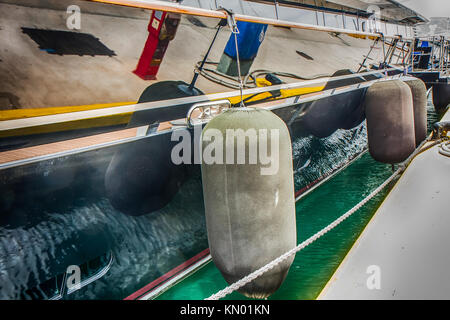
(419, 95)
(390, 121)
(249, 202)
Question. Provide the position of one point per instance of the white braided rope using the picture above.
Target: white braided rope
(255, 274)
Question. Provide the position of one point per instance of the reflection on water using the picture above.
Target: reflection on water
(146, 247)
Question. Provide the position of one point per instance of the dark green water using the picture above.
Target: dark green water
(314, 265)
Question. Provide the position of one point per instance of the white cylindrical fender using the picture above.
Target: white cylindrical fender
(249, 198)
(390, 121)
(419, 95)
(441, 96)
